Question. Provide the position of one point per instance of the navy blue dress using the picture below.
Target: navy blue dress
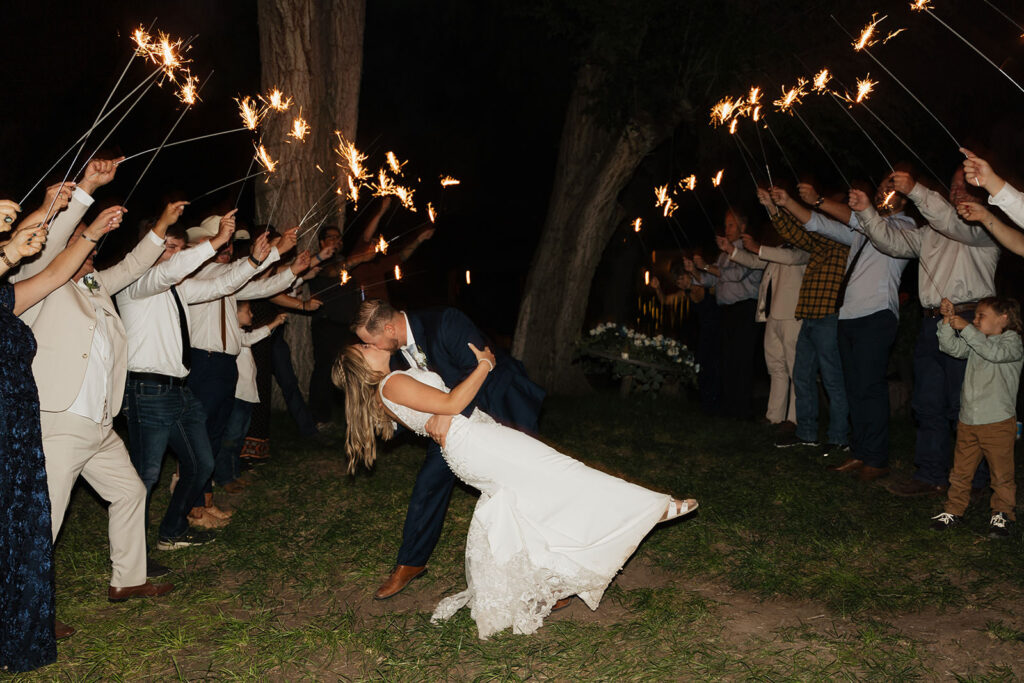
(27, 640)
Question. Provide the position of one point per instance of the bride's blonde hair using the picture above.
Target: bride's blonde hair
(364, 412)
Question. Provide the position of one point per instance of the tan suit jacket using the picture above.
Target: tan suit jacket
(783, 271)
(63, 322)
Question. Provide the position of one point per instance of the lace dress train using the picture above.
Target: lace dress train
(545, 527)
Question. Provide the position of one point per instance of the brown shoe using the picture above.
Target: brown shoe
(398, 580)
(912, 488)
(869, 473)
(848, 465)
(562, 604)
(62, 630)
(146, 590)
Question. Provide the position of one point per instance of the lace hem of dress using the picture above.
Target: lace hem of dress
(516, 593)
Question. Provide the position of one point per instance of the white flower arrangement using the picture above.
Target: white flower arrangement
(651, 361)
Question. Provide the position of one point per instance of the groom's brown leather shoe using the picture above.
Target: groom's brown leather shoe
(398, 580)
(62, 630)
(145, 590)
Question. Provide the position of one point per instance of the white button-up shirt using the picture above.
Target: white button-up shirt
(209, 318)
(246, 389)
(409, 350)
(92, 401)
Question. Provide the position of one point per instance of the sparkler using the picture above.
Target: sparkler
(754, 98)
(636, 224)
(864, 88)
(396, 166)
(249, 113)
(1006, 16)
(264, 160)
(688, 183)
(398, 272)
(867, 35)
(866, 51)
(300, 129)
(787, 104)
(276, 100)
(663, 201)
(468, 282)
(716, 179)
(431, 213)
(182, 142)
(448, 181)
(925, 6)
(382, 245)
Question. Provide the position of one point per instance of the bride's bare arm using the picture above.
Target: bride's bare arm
(406, 391)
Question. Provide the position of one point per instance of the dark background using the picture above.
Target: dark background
(478, 90)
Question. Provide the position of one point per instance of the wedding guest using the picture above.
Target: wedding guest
(979, 173)
(817, 346)
(161, 409)
(216, 343)
(776, 305)
(957, 261)
(736, 288)
(988, 423)
(246, 394)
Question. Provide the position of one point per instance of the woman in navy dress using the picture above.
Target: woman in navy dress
(27, 612)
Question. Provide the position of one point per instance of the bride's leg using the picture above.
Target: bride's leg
(678, 508)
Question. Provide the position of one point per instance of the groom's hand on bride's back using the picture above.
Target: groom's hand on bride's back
(437, 427)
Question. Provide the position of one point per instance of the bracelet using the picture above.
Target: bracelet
(3, 257)
(484, 360)
(254, 261)
(90, 239)
(818, 202)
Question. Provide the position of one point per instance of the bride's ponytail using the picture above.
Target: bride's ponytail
(364, 415)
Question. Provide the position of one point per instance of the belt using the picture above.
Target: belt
(957, 308)
(157, 378)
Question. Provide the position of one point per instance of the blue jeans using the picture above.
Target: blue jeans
(212, 380)
(284, 373)
(817, 348)
(228, 464)
(864, 345)
(159, 416)
(936, 404)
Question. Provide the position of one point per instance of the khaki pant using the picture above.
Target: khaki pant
(780, 356)
(994, 442)
(75, 445)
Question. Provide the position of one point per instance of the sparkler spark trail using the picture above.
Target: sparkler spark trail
(636, 224)
(448, 181)
(867, 35)
(276, 100)
(249, 113)
(468, 282)
(925, 6)
(398, 272)
(792, 97)
(887, 202)
(716, 179)
(382, 245)
(188, 93)
(396, 166)
(663, 201)
(264, 160)
(820, 81)
(300, 129)
(344, 277)
(732, 126)
(900, 83)
(688, 183)
(431, 213)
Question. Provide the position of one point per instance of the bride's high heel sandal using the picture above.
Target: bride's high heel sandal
(679, 508)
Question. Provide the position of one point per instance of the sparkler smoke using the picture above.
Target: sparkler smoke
(925, 6)
(901, 84)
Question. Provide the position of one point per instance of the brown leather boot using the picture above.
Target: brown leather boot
(399, 579)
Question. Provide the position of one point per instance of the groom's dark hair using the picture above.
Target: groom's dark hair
(373, 314)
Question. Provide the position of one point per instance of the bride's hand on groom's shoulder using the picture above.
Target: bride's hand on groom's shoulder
(437, 427)
(484, 355)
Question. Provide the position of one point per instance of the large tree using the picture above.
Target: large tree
(313, 51)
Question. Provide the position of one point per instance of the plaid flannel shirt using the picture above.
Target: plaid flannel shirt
(825, 269)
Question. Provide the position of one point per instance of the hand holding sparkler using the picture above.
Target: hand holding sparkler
(859, 200)
(108, 220)
(724, 245)
(171, 213)
(750, 244)
(225, 229)
(902, 182)
(26, 241)
(947, 309)
(260, 249)
(301, 263)
(979, 173)
(98, 172)
(973, 211)
(287, 240)
(9, 210)
(780, 197)
(766, 201)
(808, 194)
(1011, 238)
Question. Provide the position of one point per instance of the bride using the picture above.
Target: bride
(546, 527)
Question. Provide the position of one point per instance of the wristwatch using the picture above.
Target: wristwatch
(818, 202)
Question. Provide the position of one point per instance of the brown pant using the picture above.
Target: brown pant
(994, 442)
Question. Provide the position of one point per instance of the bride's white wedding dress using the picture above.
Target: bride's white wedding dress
(546, 526)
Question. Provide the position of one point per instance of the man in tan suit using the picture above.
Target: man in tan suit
(80, 369)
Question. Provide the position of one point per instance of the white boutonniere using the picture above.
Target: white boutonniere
(420, 357)
(90, 282)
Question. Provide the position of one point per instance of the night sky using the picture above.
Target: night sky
(479, 90)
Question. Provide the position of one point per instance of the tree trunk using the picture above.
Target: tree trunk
(594, 164)
(313, 51)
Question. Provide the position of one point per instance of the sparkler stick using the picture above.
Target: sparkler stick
(836, 99)
(823, 148)
(1005, 16)
(182, 142)
(404, 276)
(925, 6)
(796, 176)
(866, 51)
(238, 199)
(188, 106)
(233, 182)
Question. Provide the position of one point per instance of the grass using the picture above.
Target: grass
(788, 573)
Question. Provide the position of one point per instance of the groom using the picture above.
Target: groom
(437, 339)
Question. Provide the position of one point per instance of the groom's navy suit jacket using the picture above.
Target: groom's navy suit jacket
(507, 394)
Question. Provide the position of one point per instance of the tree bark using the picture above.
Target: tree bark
(594, 164)
(313, 51)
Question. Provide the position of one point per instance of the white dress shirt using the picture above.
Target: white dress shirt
(246, 389)
(409, 350)
(150, 315)
(1011, 201)
(957, 261)
(92, 402)
(210, 317)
